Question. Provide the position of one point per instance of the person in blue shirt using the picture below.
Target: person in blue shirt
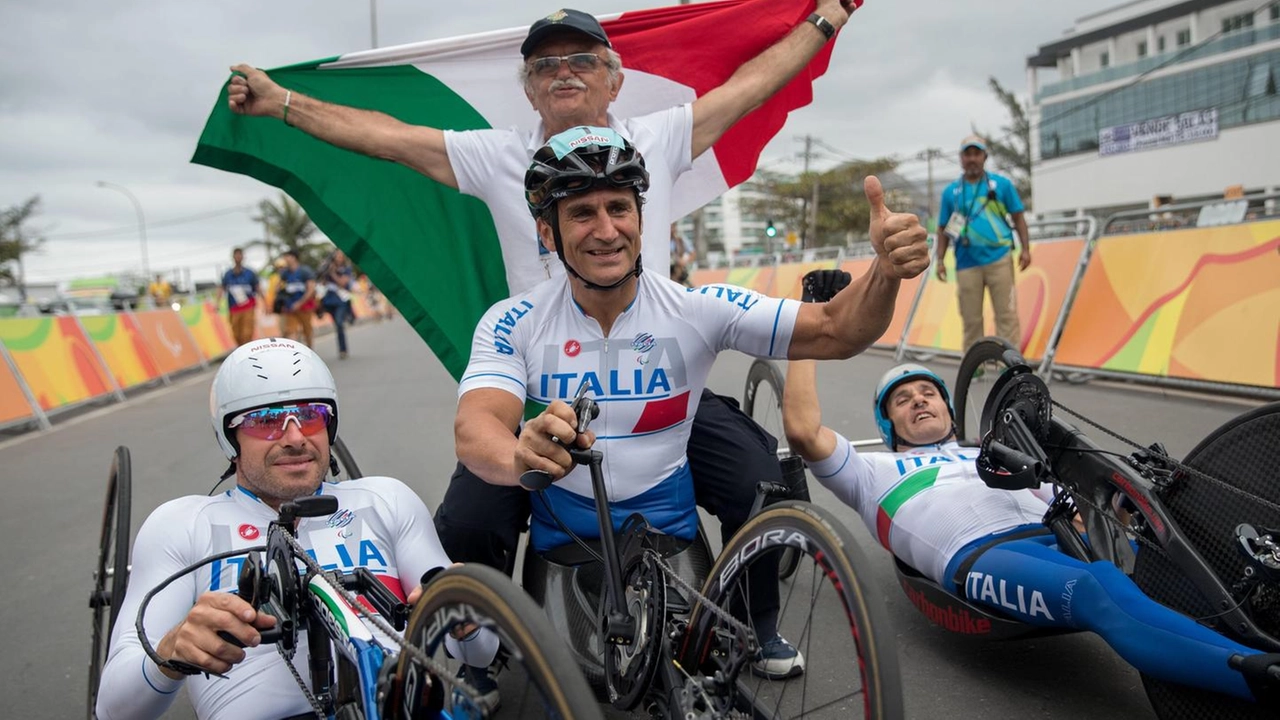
(240, 285)
(980, 212)
(298, 288)
(338, 278)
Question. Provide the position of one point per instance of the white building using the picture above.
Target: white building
(1156, 98)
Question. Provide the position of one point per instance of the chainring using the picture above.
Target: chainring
(1021, 393)
(629, 669)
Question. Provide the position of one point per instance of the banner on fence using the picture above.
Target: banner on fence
(13, 404)
(167, 337)
(56, 359)
(209, 328)
(1201, 304)
(122, 347)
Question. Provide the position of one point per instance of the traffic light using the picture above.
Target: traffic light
(770, 230)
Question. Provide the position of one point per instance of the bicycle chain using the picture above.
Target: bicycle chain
(439, 669)
(740, 627)
(1175, 463)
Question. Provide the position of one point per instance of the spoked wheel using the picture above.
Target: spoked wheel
(844, 663)
(762, 402)
(762, 398)
(1243, 454)
(979, 370)
(112, 574)
(535, 676)
(346, 463)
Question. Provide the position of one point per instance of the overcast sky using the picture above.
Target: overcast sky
(119, 92)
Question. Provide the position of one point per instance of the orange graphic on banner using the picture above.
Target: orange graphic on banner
(210, 328)
(1041, 291)
(901, 308)
(1201, 304)
(56, 360)
(13, 404)
(167, 337)
(122, 348)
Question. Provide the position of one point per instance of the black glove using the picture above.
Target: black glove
(822, 285)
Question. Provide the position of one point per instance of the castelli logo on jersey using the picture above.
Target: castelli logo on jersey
(249, 532)
(572, 348)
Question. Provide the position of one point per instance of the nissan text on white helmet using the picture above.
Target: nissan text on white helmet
(270, 371)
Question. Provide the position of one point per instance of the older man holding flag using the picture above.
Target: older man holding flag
(703, 68)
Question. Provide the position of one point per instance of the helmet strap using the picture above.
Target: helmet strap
(554, 222)
(231, 470)
(333, 465)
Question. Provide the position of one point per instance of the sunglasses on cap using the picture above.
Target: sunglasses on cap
(271, 423)
(583, 62)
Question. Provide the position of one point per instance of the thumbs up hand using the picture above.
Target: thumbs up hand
(898, 238)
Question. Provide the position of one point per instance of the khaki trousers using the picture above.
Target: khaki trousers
(297, 325)
(997, 279)
(243, 325)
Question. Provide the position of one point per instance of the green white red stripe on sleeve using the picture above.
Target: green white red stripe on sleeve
(433, 252)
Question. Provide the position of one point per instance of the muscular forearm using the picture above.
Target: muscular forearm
(854, 319)
(488, 449)
(802, 413)
(372, 133)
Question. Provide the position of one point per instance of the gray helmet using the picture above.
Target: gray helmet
(265, 372)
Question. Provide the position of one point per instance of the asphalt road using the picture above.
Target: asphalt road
(397, 406)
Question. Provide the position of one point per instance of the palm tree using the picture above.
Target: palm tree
(287, 227)
(15, 239)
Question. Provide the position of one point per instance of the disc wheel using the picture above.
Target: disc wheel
(979, 369)
(535, 674)
(628, 669)
(1243, 454)
(762, 402)
(111, 576)
(847, 665)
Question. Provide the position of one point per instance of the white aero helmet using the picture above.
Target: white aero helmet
(270, 371)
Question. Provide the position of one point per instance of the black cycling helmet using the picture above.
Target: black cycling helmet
(580, 160)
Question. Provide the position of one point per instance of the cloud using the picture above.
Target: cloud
(120, 91)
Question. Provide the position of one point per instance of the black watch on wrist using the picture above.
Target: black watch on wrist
(822, 24)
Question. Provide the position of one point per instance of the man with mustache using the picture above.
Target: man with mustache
(570, 75)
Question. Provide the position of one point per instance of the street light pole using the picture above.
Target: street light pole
(142, 225)
(373, 23)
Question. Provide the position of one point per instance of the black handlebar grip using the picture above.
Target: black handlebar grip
(535, 480)
(1012, 460)
(230, 638)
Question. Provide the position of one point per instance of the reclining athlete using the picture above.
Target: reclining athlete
(274, 408)
(643, 345)
(925, 502)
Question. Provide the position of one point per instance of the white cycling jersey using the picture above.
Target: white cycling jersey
(647, 376)
(380, 524)
(924, 504)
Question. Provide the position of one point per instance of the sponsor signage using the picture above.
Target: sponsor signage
(1159, 132)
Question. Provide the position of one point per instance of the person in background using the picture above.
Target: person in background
(160, 291)
(298, 290)
(240, 285)
(981, 211)
(682, 255)
(338, 278)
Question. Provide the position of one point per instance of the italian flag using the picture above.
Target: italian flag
(433, 252)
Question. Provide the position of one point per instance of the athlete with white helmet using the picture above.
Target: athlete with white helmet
(642, 345)
(925, 502)
(274, 408)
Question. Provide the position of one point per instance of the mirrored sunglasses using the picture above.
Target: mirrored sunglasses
(578, 62)
(271, 423)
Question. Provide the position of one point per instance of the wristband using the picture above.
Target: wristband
(822, 24)
(288, 95)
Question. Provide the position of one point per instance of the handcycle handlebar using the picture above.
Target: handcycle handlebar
(585, 410)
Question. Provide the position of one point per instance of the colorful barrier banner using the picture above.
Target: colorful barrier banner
(56, 359)
(166, 336)
(1201, 304)
(122, 347)
(13, 404)
(1041, 291)
(210, 329)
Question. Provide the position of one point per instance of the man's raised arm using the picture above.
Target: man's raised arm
(252, 92)
(766, 73)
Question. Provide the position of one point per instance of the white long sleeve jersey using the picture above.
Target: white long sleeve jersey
(380, 525)
(924, 504)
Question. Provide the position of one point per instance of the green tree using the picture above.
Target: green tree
(1010, 151)
(842, 206)
(287, 227)
(16, 239)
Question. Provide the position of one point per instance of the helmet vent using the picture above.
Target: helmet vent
(295, 372)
